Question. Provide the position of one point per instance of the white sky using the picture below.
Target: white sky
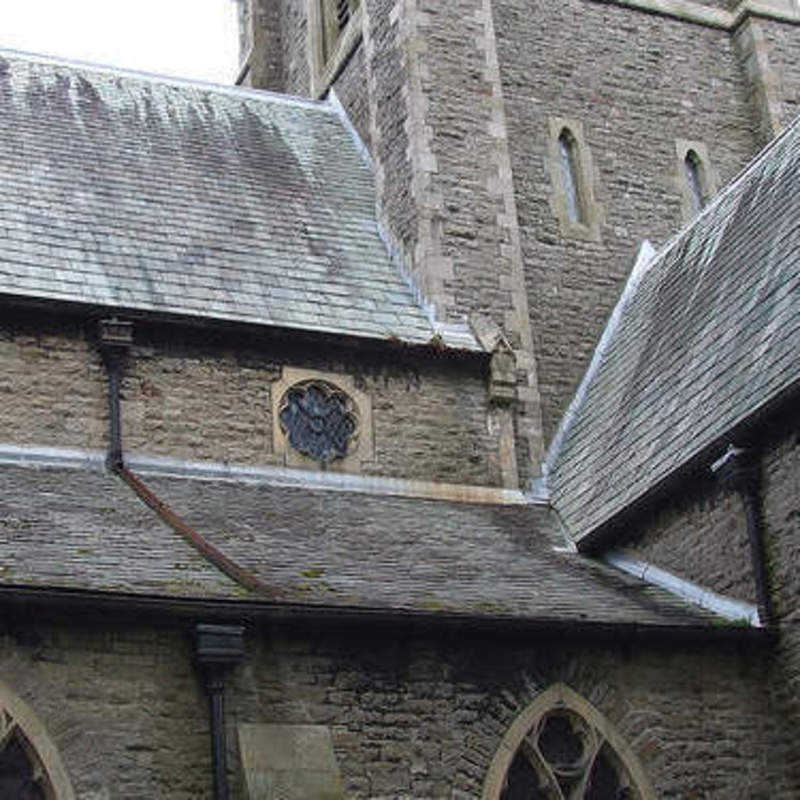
(186, 38)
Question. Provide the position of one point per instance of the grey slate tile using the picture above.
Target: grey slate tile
(711, 333)
(212, 195)
(81, 528)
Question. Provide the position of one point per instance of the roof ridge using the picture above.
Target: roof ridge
(168, 80)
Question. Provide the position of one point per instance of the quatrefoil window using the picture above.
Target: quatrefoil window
(319, 420)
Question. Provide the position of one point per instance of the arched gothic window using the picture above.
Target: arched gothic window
(562, 748)
(694, 180)
(30, 767)
(568, 149)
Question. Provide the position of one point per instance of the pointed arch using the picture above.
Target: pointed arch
(28, 752)
(695, 178)
(693, 167)
(570, 175)
(573, 178)
(564, 748)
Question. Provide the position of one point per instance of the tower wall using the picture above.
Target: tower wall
(636, 83)
(457, 103)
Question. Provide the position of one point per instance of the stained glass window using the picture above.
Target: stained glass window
(319, 420)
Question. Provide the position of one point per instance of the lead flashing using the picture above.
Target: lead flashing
(734, 610)
(644, 259)
(94, 460)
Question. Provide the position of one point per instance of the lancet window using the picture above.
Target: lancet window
(694, 180)
(570, 175)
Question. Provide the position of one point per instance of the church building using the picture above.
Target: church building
(416, 418)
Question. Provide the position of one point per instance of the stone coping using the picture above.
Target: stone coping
(690, 11)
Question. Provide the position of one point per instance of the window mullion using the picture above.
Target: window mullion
(599, 741)
(542, 768)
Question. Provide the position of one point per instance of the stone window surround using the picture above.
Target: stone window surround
(706, 174)
(588, 228)
(323, 72)
(361, 450)
(23, 717)
(555, 698)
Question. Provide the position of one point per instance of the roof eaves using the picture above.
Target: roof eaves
(605, 532)
(168, 611)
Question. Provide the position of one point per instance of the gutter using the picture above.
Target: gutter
(184, 612)
(735, 611)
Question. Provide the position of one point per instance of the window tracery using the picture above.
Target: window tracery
(319, 420)
(562, 748)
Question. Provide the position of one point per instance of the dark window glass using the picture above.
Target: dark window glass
(565, 757)
(522, 782)
(693, 168)
(17, 775)
(569, 171)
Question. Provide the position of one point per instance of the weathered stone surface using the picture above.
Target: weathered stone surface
(408, 714)
(636, 82)
(288, 762)
(701, 536)
(200, 394)
(782, 42)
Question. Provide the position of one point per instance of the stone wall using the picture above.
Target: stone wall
(197, 394)
(411, 715)
(261, 39)
(294, 43)
(782, 42)
(123, 706)
(781, 493)
(443, 173)
(351, 89)
(52, 383)
(636, 82)
(701, 535)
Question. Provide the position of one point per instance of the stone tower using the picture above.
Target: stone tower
(473, 110)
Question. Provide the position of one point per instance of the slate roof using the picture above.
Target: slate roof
(701, 340)
(84, 529)
(131, 192)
